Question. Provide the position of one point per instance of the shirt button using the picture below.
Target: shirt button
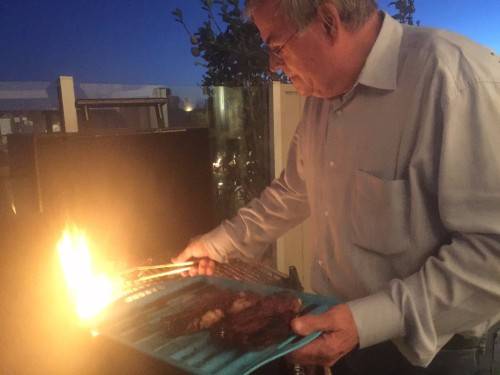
(338, 112)
(326, 213)
(332, 163)
(320, 262)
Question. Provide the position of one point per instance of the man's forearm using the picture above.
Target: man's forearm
(258, 224)
(446, 296)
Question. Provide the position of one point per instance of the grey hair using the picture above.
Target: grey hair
(353, 13)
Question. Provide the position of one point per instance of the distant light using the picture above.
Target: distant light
(218, 163)
(187, 105)
(56, 128)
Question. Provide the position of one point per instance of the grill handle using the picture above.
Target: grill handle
(293, 280)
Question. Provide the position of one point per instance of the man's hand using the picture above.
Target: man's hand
(339, 337)
(196, 249)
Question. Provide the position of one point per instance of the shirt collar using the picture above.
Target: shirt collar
(381, 67)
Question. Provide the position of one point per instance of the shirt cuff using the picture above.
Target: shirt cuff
(377, 318)
(218, 244)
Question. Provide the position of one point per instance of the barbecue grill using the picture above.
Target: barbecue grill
(55, 177)
(40, 334)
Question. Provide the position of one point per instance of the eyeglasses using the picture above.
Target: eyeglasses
(276, 52)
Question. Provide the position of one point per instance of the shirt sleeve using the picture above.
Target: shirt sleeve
(458, 288)
(280, 207)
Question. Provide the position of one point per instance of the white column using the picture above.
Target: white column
(67, 103)
(291, 248)
(281, 263)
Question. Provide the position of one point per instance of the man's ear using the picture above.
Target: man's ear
(330, 19)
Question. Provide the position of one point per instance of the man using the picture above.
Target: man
(396, 161)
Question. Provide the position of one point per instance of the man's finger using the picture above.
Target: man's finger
(318, 352)
(210, 267)
(324, 351)
(338, 318)
(184, 256)
(202, 266)
(193, 250)
(310, 323)
(193, 271)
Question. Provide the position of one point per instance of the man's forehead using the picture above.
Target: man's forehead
(270, 19)
(265, 6)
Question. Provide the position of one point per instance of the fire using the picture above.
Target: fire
(91, 291)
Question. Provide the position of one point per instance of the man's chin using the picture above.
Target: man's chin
(302, 89)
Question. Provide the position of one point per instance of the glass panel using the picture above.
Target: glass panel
(25, 107)
(115, 118)
(140, 117)
(188, 107)
(240, 132)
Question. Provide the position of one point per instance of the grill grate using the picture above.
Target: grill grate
(247, 271)
(236, 269)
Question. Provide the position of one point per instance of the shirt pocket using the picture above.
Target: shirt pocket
(380, 214)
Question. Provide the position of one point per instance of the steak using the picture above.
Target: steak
(265, 323)
(207, 310)
(242, 320)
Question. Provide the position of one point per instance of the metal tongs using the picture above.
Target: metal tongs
(143, 274)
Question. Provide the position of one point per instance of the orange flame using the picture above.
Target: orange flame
(91, 292)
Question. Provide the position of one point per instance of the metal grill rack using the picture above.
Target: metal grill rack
(237, 269)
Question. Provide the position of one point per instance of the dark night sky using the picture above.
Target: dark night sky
(138, 42)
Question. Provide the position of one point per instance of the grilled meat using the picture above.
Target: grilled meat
(207, 310)
(265, 323)
(239, 319)
(243, 301)
(201, 313)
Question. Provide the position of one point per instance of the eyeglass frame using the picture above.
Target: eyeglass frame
(276, 53)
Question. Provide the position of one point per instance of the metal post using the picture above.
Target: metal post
(163, 92)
